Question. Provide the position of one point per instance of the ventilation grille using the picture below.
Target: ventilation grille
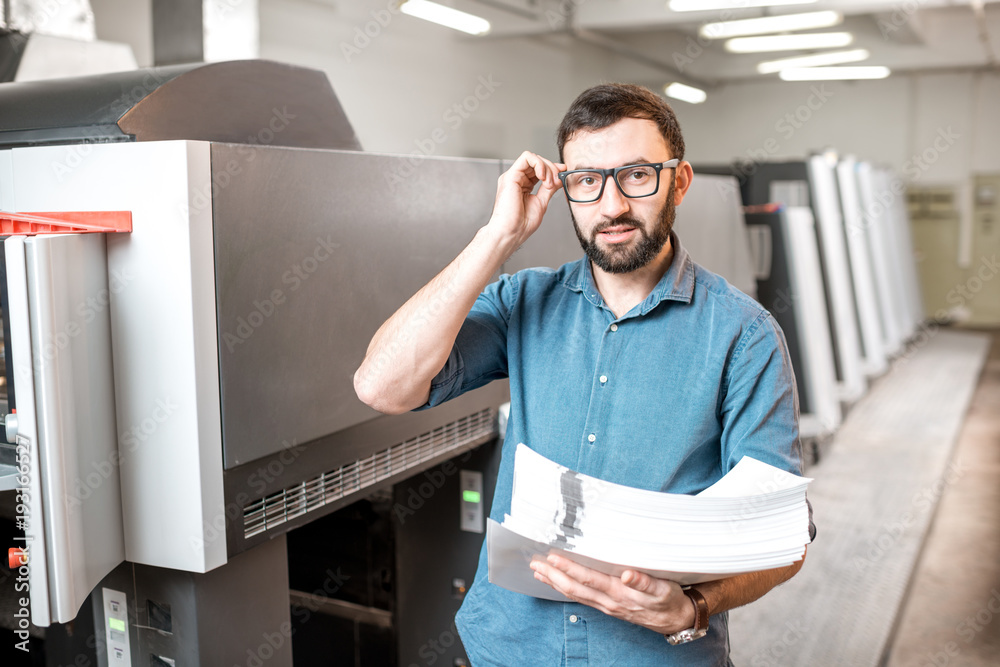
(294, 501)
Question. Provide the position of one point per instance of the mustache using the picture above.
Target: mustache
(620, 220)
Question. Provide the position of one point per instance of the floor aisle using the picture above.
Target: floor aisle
(875, 493)
(952, 615)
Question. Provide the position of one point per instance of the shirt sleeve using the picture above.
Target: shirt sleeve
(760, 408)
(479, 354)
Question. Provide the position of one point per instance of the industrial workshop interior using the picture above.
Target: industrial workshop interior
(209, 208)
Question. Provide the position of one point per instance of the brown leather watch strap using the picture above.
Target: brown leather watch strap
(700, 608)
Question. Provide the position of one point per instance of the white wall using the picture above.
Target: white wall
(399, 82)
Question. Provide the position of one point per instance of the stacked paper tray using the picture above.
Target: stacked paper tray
(754, 518)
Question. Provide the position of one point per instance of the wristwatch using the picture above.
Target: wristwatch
(700, 628)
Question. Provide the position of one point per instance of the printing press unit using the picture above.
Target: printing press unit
(834, 264)
(184, 384)
(195, 259)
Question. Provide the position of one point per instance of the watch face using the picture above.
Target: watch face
(685, 636)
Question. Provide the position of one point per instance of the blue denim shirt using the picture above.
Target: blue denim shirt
(667, 397)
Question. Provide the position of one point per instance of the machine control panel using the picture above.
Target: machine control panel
(116, 628)
(471, 488)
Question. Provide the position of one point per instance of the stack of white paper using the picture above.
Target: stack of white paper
(754, 518)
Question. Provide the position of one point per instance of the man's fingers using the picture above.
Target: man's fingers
(572, 588)
(639, 581)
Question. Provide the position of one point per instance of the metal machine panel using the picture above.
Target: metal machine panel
(710, 225)
(866, 297)
(296, 236)
(811, 317)
(251, 101)
(898, 272)
(164, 342)
(878, 242)
(903, 243)
(840, 287)
(777, 292)
(70, 424)
(19, 357)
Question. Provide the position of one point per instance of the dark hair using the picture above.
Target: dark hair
(606, 104)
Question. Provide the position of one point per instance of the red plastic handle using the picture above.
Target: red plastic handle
(62, 222)
(16, 557)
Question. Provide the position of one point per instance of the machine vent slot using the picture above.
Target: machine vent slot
(298, 499)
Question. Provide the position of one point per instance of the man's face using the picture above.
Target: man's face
(621, 234)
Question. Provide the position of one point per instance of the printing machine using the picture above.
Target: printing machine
(184, 389)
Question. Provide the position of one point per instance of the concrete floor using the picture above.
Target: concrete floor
(900, 454)
(951, 617)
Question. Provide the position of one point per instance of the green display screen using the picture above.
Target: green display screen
(117, 624)
(471, 496)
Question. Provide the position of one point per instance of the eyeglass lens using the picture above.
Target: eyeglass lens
(639, 181)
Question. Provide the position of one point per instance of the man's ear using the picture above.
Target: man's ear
(682, 181)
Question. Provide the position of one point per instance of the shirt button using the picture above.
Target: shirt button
(614, 327)
(573, 619)
(591, 437)
(604, 378)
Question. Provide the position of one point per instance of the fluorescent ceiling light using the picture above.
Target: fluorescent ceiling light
(446, 16)
(833, 73)
(818, 60)
(679, 91)
(770, 24)
(818, 40)
(710, 5)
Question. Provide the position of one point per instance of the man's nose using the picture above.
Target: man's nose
(613, 202)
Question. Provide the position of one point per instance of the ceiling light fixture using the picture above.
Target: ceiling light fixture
(770, 24)
(446, 16)
(819, 40)
(711, 5)
(818, 60)
(690, 94)
(834, 73)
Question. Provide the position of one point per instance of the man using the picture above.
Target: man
(634, 365)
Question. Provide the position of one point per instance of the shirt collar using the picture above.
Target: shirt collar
(677, 284)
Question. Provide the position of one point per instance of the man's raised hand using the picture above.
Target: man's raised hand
(517, 212)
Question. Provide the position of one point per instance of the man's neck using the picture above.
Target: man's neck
(622, 291)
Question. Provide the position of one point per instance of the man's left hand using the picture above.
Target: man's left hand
(657, 604)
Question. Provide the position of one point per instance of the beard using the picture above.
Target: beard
(630, 257)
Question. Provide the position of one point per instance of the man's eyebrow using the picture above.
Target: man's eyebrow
(638, 160)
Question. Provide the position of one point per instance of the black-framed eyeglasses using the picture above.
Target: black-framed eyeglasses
(633, 180)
